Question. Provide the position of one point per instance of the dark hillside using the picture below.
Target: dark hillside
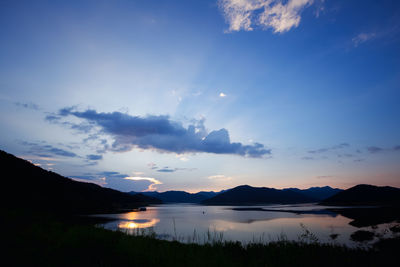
(27, 186)
(247, 195)
(364, 194)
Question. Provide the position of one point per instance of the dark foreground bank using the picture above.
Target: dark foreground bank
(45, 240)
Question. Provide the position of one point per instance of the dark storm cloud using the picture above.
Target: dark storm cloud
(44, 150)
(163, 134)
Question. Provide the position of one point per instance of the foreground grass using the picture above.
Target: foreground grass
(46, 241)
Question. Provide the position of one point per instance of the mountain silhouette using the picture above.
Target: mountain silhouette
(364, 194)
(318, 193)
(248, 195)
(26, 186)
(179, 196)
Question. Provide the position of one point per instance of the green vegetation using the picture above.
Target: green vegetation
(43, 240)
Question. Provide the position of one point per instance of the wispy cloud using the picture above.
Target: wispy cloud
(362, 38)
(94, 157)
(377, 149)
(153, 182)
(29, 105)
(162, 134)
(374, 149)
(326, 149)
(119, 181)
(279, 15)
(47, 151)
(219, 177)
(168, 169)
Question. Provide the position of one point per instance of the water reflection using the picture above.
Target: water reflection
(137, 224)
(261, 223)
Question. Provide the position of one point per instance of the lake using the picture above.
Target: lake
(200, 224)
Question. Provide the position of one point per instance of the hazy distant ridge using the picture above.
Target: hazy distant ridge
(317, 193)
(179, 196)
(248, 195)
(287, 195)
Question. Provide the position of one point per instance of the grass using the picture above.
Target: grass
(47, 241)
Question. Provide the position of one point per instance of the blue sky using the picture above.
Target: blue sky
(203, 95)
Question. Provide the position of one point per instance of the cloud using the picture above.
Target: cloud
(152, 166)
(362, 38)
(279, 15)
(119, 181)
(29, 105)
(219, 177)
(222, 95)
(110, 174)
(94, 157)
(162, 134)
(374, 149)
(167, 169)
(345, 155)
(326, 149)
(47, 151)
(153, 182)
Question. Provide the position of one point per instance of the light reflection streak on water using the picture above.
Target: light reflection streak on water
(138, 224)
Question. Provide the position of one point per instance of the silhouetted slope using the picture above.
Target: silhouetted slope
(27, 186)
(244, 194)
(318, 193)
(366, 195)
(179, 196)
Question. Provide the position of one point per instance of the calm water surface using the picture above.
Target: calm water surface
(191, 223)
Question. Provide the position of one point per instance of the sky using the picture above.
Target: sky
(206, 95)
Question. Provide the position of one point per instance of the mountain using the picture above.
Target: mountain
(179, 196)
(364, 194)
(247, 195)
(27, 186)
(318, 193)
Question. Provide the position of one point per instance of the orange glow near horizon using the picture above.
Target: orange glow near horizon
(138, 224)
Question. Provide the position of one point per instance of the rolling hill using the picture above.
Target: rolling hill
(179, 196)
(247, 195)
(318, 193)
(364, 194)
